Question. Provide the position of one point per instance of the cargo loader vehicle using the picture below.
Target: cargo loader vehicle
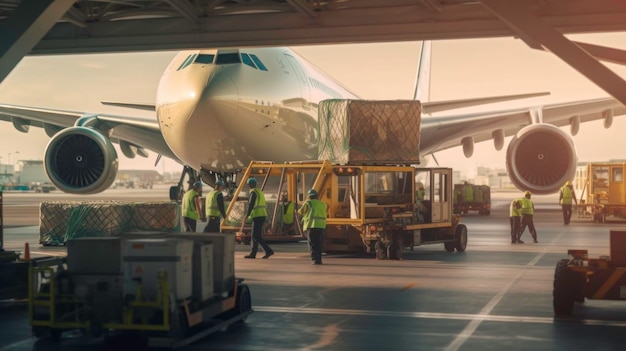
(169, 288)
(601, 191)
(371, 208)
(579, 277)
(479, 199)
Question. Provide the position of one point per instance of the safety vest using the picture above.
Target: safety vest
(567, 195)
(515, 211)
(315, 216)
(527, 206)
(287, 212)
(189, 205)
(260, 209)
(212, 209)
(420, 194)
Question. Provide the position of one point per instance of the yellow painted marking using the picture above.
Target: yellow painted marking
(617, 274)
(408, 287)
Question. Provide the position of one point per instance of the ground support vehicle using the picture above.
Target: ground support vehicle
(369, 207)
(14, 267)
(481, 201)
(169, 288)
(601, 190)
(579, 277)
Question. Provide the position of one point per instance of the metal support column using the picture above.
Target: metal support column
(30, 22)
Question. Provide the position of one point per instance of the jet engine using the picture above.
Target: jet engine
(541, 158)
(81, 160)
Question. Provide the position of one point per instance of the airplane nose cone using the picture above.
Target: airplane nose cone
(188, 114)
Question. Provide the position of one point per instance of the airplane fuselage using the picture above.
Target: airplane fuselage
(219, 109)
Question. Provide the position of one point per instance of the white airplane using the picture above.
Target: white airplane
(217, 109)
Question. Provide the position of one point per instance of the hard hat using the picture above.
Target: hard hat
(526, 193)
(197, 184)
(567, 183)
(312, 192)
(219, 183)
(252, 181)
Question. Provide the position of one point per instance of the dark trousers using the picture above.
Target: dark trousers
(567, 213)
(515, 226)
(213, 225)
(527, 221)
(190, 224)
(315, 238)
(257, 237)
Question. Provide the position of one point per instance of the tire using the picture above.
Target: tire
(243, 303)
(568, 288)
(449, 246)
(461, 238)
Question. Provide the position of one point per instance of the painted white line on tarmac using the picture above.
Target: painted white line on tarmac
(435, 315)
(469, 330)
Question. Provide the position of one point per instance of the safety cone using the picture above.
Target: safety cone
(26, 252)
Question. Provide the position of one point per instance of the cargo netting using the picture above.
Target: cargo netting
(369, 132)
(63, 221)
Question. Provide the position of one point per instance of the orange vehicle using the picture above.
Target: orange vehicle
(601, 190)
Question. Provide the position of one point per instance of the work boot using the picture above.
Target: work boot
(249, 256)
(267, 255)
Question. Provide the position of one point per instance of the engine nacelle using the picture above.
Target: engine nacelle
(81, 160)
(541, 158)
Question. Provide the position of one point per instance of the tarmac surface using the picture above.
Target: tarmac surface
(493, 296)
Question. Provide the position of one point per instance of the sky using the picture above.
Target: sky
(461, 69)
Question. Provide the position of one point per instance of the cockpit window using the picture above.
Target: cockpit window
(204, 59)
(247, 60)
(227, 58)
(258, 62)
(187, 61)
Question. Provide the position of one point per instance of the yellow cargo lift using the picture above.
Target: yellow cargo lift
(369, 206)
(601, 190)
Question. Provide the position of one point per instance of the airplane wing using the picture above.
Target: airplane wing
(443, 132)
(137, 133)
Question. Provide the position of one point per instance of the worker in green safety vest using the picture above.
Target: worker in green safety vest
(257, 212)
(285, 214)
(566, 196)
(313, 213)
(192, 207)
(215, 210)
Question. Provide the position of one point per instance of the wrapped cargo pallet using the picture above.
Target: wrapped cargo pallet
(62, 221)
(369, 132)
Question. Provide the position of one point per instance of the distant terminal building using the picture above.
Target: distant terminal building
(6, 173)
(31, 172)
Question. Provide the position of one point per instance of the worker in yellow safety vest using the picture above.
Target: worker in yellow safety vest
(313, 213)
(257, 212)
(515, 220)
(192, 208)
(527, 210)
(285, 214)
(215, 208)
(566, 196)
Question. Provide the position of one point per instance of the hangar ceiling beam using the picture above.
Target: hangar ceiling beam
(522, 21)
(164, 26)
(21, 31)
